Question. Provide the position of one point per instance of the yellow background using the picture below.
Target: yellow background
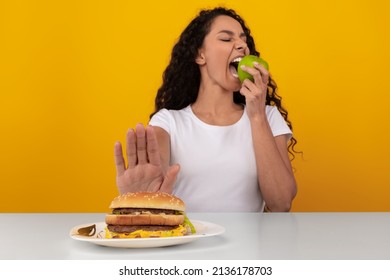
(75, 75)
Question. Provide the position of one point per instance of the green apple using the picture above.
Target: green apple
(248, 61)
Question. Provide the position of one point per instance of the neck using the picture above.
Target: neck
(214, 100)
(216, 107)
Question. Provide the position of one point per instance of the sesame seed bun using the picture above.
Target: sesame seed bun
(152, 200)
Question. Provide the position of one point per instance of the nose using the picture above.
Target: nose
(241, 45)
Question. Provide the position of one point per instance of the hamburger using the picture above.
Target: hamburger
(147, 214)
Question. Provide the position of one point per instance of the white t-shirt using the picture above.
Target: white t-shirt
(217, 163)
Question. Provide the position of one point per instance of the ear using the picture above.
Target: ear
(200, 59)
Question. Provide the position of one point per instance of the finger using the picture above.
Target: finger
(249, 89)
(131, 152)
(245, 92)
(255, 74)
(141, 144)
(170, 179)
(152, 146)
(264, 72)
(119, 160)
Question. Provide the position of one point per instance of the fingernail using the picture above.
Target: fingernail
(243, 67)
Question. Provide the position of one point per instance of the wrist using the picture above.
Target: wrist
(260, 126)
(259, 118)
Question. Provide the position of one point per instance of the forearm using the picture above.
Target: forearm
(275, 176)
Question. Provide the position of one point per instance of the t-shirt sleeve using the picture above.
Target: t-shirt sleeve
(277, 123)
(162, 119)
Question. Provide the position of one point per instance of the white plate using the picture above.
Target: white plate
(203, 229)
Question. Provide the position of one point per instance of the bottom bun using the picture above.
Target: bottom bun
(178, 231)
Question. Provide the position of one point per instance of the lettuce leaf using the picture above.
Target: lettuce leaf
(187, 222)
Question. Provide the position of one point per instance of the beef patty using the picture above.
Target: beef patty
(134, 211)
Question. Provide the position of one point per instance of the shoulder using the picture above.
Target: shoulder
(170, 113)
(273, 114)
(271, 110)
(277, 122)
(167, 119)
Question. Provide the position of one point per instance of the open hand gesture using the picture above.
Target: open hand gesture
(144, 171)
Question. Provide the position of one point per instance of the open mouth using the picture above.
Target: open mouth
(234, 65)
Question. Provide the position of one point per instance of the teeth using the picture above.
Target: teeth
(238, 59)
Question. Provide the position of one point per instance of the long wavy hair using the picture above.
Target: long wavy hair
(181, 78)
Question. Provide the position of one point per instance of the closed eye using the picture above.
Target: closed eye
(231, 34)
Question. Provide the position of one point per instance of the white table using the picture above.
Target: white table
(248, 236)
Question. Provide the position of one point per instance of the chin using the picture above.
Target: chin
(236, 87)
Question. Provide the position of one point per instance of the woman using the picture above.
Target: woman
(214, 142)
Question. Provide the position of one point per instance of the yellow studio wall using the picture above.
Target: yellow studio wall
(75, 75)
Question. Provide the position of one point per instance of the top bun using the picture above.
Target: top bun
(154, 200)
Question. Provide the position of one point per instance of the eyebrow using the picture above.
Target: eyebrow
(231, 33)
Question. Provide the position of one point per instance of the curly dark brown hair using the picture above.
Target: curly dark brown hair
(181, 78)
